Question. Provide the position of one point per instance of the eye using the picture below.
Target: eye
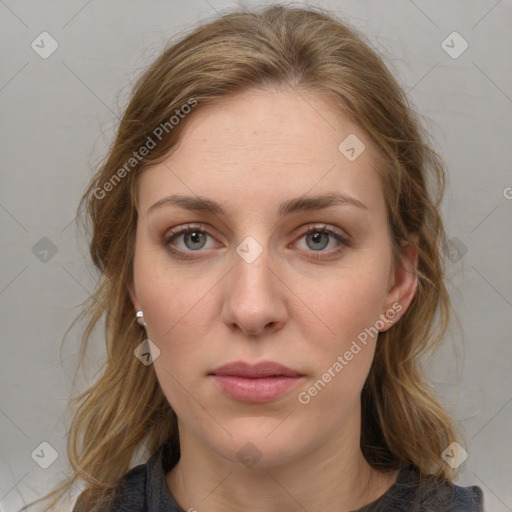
(317, 239)
(194, 239)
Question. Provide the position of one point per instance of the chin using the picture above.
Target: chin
(260, 447)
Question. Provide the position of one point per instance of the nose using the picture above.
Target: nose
(254, 298)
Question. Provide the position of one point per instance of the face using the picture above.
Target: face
(263, 277)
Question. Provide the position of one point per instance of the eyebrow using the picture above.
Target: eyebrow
(288, 207)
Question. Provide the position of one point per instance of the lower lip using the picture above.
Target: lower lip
(255, 390)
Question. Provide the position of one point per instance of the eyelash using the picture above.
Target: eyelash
(169, 237)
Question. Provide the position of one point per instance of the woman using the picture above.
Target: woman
(271, 269)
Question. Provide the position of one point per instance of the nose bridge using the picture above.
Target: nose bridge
(254, 299)
(252, 267)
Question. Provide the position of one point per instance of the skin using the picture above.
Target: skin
(249, 153)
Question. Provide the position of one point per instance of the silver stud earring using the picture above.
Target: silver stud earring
(140, 318)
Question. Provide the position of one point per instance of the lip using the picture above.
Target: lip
(258, 383)
(258, 390)
(255, 371)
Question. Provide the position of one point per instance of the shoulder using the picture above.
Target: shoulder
(436, 495)
(130, 495)
(463, 499)
(143, 488)
(416, 492)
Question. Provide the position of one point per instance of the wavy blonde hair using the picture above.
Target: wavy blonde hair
(125, 412)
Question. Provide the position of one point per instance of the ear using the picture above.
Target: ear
(402, 284)
(133, 296)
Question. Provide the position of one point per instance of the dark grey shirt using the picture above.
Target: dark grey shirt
(144, 489)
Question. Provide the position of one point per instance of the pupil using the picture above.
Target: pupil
(195, 237)
(316, 237)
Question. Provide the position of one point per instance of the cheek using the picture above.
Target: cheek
(176, 318)
(344, 345)
(176, 323)
(169, 298)
(178, 311)
(351, 301)
(345, 331)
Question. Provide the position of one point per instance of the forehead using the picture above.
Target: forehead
(261, 146)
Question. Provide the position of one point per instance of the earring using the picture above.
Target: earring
(140, 318)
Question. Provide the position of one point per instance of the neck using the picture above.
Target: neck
(333, 477)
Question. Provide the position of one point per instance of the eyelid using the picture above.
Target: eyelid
(327, 228)
(185, 228)
(344, 241)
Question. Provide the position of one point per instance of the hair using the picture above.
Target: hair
(301, 50)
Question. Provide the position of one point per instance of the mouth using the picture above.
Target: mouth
(258, 383)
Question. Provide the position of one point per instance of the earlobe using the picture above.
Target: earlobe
(139, 315)
(140, 318)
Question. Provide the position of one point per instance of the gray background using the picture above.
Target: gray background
(59, 115)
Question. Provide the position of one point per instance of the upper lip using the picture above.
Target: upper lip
(263, 369)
